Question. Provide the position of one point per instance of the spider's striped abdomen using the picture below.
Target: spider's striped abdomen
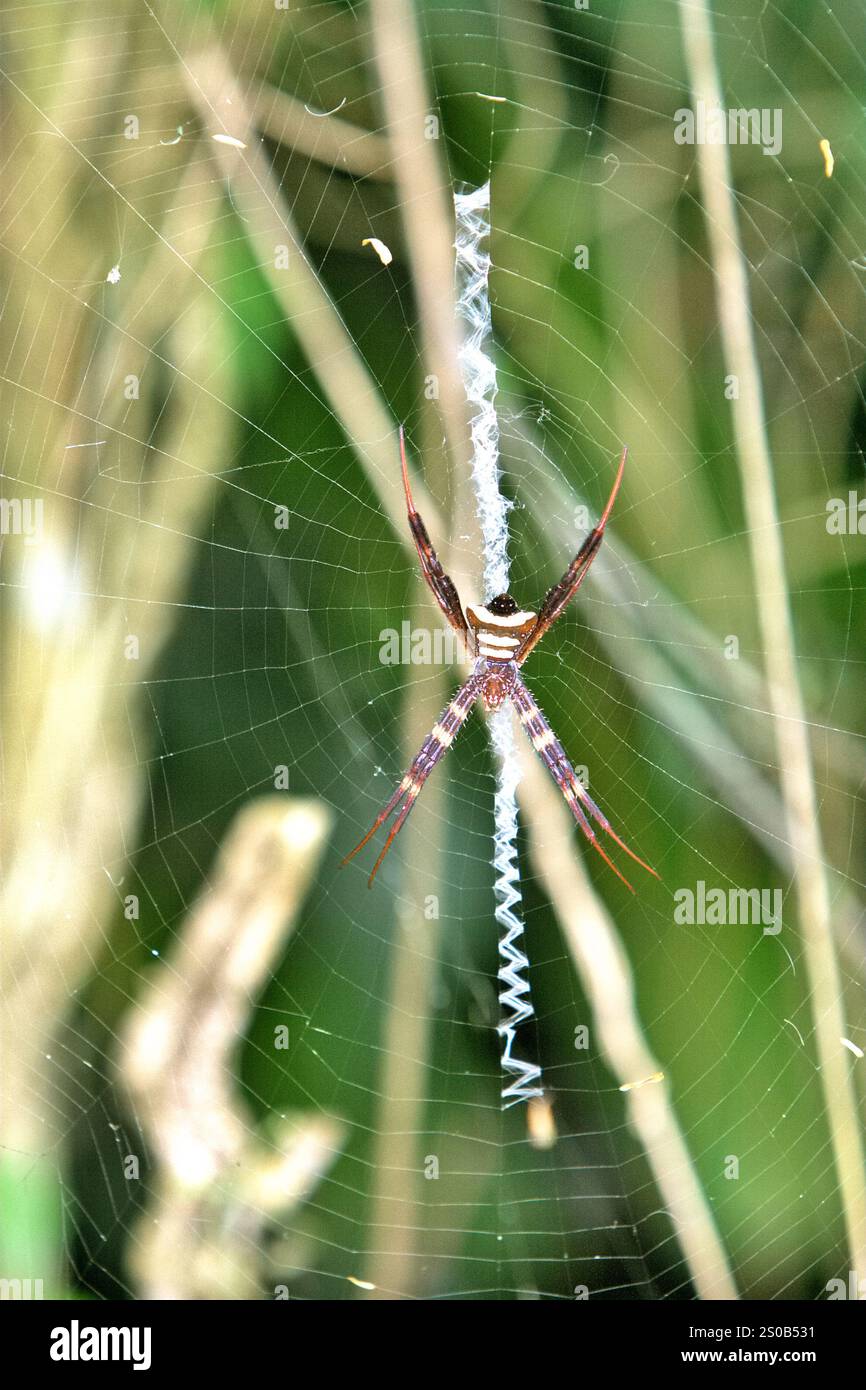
(498, 635)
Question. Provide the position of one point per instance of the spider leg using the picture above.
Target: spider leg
(562, 593)
(440, 584)
(553, 755)
(434, 747)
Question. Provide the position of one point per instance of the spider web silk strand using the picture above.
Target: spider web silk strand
(514, 996)
(472, 212)
(479, 380)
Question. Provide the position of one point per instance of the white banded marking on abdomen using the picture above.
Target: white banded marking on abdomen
(501, 635)
(496, 645)
(498, 622)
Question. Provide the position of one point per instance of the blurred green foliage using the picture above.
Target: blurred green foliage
(273, 657)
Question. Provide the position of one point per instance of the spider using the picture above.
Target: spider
(502, 637)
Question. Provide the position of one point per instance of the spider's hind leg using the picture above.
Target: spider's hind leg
(553, 755)
(383, 815)
(434, 747)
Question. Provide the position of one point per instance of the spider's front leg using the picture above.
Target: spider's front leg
(440, 584)
(434, 747)
(557, 598)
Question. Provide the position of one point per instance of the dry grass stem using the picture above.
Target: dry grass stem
(607, 979)
(771, 587)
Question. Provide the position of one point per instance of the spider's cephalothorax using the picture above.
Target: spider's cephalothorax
(496, 679)
(502, 637)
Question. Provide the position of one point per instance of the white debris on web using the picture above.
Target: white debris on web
(652, 1080)
(223, 139)
(479, 378)
(827, 154)
(382, 251)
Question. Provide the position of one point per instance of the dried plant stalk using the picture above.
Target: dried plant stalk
(327, 138)
(217, 1181)
(771, 591)
(606, 975)
(348, 386)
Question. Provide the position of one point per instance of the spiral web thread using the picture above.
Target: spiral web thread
(472, 215)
